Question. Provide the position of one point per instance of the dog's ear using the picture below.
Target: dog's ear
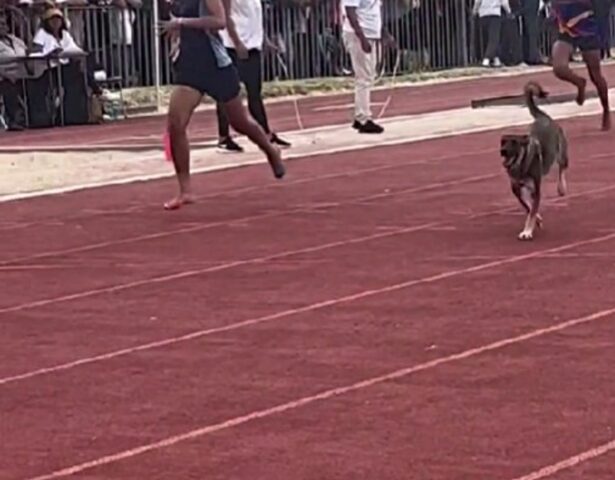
(524, 140)
(542, 93)
(514, 140)
(509, 146)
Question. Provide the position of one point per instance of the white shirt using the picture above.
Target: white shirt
(247, 15)
(49, 43)
(484, 8)
(369, 14)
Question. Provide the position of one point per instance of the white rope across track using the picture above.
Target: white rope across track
(282, 64)
(391, 86)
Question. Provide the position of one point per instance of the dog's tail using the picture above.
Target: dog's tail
(531, 91)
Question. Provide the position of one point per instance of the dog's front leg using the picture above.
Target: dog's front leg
(516, 189)
(533, 217)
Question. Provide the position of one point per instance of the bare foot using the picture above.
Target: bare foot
(581, 91)
(179, 201)
(275, 161)
(606, 121)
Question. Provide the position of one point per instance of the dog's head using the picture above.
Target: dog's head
(513, 149)
(512, 145)
(535, 89)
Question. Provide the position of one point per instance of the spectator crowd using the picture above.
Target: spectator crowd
(58, 56)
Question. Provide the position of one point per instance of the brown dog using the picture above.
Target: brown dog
(528, 159)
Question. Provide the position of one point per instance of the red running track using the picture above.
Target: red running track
(315, 112)
(371, 317)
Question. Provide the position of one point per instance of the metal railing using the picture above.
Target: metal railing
(432, 35)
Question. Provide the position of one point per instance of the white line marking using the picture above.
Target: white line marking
(261, 216)
(573, 255)
(345, 106)
(308, 308)
(237, 263)
(201, 271)
(225, 266)
(252, 188)
(286, 183)
(326, 395)
(55, 266)
(288, 156)
(570, 462)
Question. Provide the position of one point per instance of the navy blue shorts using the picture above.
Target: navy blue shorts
(585, 43)
(221, 84)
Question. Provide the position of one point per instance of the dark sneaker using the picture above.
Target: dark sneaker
(229, 145)
(370, 127)
(356, 125)
(278, 141)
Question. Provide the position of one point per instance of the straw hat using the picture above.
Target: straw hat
(51, 13)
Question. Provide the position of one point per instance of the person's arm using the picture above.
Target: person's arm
(477, 4)
(387, 38)
(350, 7)
(216, 20)
(506, 7)
(240, 48)
(70, 46)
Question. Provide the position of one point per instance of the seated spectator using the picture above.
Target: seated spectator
(11, 74)
(53, 36)
(53, 39)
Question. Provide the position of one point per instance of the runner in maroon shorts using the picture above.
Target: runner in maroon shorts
(579, 27)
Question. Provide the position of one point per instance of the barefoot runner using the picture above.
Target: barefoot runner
(579, 27)
(203, 67)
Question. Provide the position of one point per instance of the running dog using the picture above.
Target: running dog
(528, 159)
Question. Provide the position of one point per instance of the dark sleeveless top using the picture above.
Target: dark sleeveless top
(198, 45)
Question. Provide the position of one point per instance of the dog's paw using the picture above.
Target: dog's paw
(526, 235)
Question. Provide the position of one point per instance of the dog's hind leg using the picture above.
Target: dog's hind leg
(562, 183)
(562, 163)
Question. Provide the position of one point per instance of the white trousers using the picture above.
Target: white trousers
(364, 67)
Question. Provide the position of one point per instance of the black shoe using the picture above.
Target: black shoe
(356, 125)
(278, 141)
(229, 145)
(370, 127)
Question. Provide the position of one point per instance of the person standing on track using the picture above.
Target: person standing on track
(203, 66)
(363, 32)
(244, 38)
(579, 27)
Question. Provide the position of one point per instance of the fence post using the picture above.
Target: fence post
(157, 66)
